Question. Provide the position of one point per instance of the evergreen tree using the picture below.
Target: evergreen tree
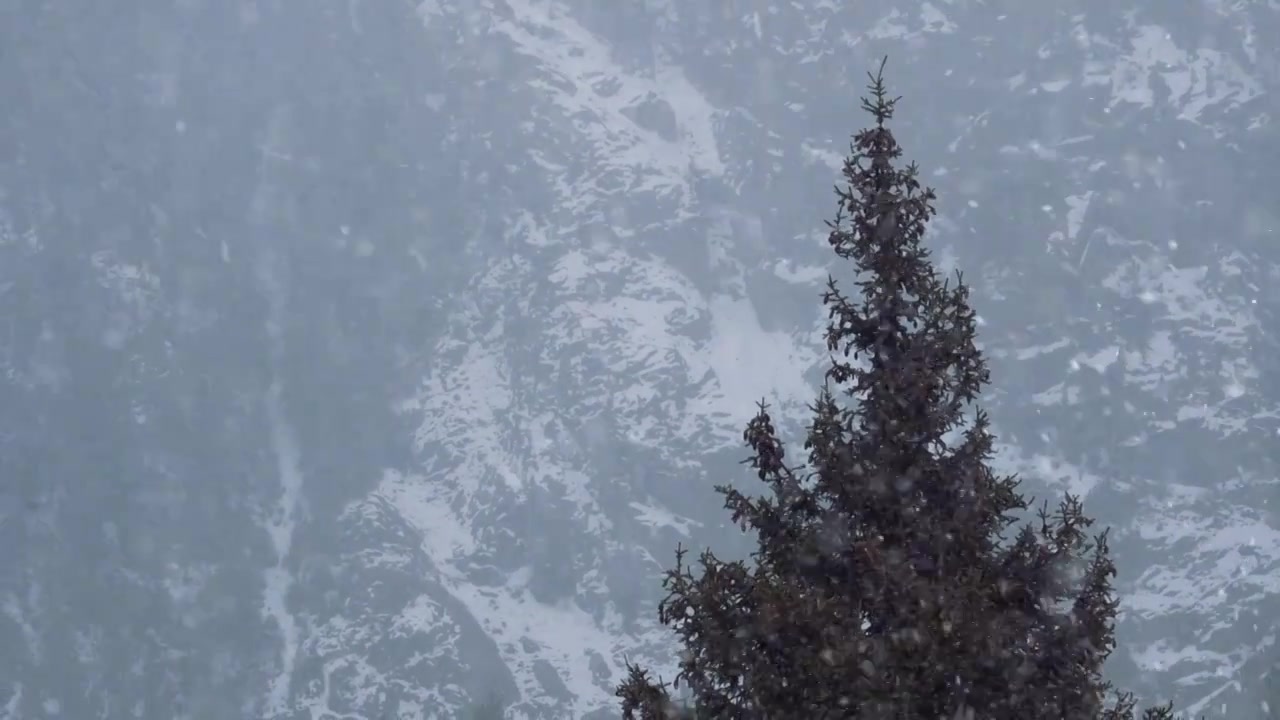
(491, 708)
(884, 585)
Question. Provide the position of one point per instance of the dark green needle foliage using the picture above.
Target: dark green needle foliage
(891, 581)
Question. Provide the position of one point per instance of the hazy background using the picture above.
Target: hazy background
(359, 358)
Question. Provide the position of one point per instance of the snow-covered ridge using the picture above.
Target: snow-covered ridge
(672, 356)
(427, 345)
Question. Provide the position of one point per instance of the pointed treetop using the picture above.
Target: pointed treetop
(879, 104)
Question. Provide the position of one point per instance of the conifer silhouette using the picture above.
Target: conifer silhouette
(885, 585)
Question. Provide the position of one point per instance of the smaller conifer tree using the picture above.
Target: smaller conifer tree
(884, 586)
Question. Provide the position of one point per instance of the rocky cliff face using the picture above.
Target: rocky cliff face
(362, 359)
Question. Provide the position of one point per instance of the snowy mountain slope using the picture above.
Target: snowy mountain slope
(1183, 309)
(467, 303)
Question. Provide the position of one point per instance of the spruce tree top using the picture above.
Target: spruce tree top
(883, 586)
